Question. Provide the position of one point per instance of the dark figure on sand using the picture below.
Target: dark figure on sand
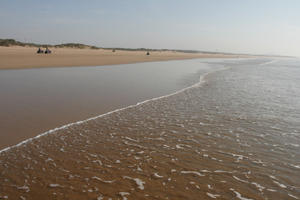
(47, 51)
(148, 54)
(40, 51)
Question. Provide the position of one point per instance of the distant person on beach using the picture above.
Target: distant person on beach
(40, 51)
(47, 51)
(148, 54)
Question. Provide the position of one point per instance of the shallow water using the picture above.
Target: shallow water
(234, 135)
(36, 100)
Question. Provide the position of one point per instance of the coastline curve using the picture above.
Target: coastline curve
(51, 131)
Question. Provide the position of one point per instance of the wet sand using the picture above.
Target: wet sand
(37, 100)
(26, 57)
(220, 139)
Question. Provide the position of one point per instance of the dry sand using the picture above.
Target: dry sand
(25, 57)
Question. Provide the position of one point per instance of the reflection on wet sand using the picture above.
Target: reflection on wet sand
(38, 100)
(201, 143)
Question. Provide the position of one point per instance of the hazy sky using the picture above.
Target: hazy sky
(246, 26)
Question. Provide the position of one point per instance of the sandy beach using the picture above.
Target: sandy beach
(149, 100)
(211, 140)
(16, 57)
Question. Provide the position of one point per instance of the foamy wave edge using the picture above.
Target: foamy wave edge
(198, 84)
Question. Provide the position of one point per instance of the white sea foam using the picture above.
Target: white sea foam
(157, 175)
(268, 62)
(241, 180)
(273, 177)
(205, 171)
(138, 181)
(104, 181)
(280, 184)
(293, 196)
(124, 194)
(222, 171)
(26, 188)
(97, 161)
(133, 140)
(259, 187)
(291, 144)
(238, 195)
(214, 196)
(192, 172)
(179, 146)
(296, 166)
(135, 145)
(198, 84)
(100, 197)
(54, 185)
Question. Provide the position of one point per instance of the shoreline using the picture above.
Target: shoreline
(62, 96)
(91, 117)
(134, 150)
(16, 57)
(24, 142)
